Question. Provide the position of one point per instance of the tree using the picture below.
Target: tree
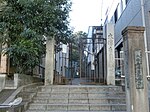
(78, 43)
(25, 23)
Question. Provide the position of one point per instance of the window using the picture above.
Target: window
(116, 15)
(127, 1)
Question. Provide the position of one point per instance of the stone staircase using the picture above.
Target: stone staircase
(69, 98)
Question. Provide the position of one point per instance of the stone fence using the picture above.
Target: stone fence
(17, 81)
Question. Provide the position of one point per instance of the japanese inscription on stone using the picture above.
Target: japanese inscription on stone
(138, 70)
(110, 53)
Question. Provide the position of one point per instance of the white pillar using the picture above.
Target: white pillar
(16, 80)
(110, 55)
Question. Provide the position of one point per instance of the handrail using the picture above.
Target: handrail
(16, 102)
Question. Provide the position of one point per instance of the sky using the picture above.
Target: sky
(87, 13)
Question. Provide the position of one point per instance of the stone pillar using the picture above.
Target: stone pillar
(3, 64)
(16, 80)
(49, 61)
(110, 55)
(135, 69)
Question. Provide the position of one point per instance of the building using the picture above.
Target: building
(129, 13)
(62, 69)
(95, 54)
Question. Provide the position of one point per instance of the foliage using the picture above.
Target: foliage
(78, 41)
(23, 24)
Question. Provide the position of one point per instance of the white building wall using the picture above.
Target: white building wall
(62, 60)
(131, 16)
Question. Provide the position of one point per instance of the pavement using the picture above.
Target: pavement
(80, 81)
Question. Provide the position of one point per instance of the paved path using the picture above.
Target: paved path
(78, 81)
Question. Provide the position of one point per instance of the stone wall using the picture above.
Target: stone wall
(2, 81)
(27, 79)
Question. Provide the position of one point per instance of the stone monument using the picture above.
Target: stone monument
(49, 61)
(135, 69)
(110, 55)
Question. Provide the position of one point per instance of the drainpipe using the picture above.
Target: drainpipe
(145, 38)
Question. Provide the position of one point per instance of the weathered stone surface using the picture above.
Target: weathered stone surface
(78, 107)
(135, 69)
(49, 61)
(57, 107)
(37, 107)
(2, 81)
(110, 55)
(58, 101)
(78, 99)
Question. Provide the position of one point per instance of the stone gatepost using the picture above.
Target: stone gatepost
(49, 61)
(135, 69)
(110, 55)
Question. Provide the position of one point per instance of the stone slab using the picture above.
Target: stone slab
(57, 107)
(78, 107)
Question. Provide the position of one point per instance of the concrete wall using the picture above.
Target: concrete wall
(22, 79)
(2, 81)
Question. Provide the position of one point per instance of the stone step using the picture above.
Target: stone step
(93, 98)
(81, 92)
(85, 101)
(80, 88)
(77, 95)
(73, 111)
(46, 99)
(82, 98)
(78, 107)
(66, 98)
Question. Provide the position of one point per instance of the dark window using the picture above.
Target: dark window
(127, 1)
(116, 16)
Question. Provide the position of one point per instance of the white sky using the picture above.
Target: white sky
(87, 13)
